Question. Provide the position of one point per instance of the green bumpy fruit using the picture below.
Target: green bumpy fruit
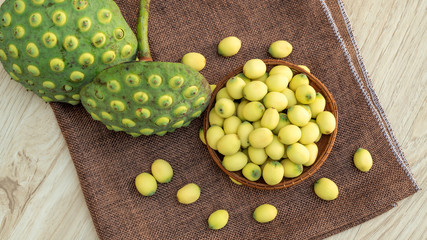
(146, 97)
(54, 47)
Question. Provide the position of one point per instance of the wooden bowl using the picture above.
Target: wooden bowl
(324, 145)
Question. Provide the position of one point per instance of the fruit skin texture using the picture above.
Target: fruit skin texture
(146, 184)
(52, 55)
(188, 194)
(265, 213)
(195, 60)
(229, 46)
(280, 49)
(326, 189)
(362, 160)
(147, 97)
(162, 171)
(218, 219)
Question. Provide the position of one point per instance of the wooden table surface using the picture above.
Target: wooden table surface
(40, 195)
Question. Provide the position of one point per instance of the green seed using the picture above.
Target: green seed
(99, 39)
(84, 24)
(119, 33)
(113, 86)
(18, 32)
(38, 2)
(178, 124)
(6, 19)
(165, 101)
(70, 43)
(108, 57)
(117, 105)
(32, 50)
(77, 76)
(13, 51)
(91, 103)
(59, 18)
(128, 123)
(143, 113)
(132, 80)
(106, 116)
(154, 80)
(80, 4)
(33, 70)
(162, 121)
(94, 116)
(68, 88)
(199, 102)
(180, 111)
(146, 131)
(16, 69)
(35, 19)
(104, 16)
(126, 51)
(140, 97)
(19, 6)
(49, 39)
(57, 65)
(176, 82)
(86, 59)
(48, 85)
(76, 96)
(3, 55)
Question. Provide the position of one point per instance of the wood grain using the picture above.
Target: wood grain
(40, 195)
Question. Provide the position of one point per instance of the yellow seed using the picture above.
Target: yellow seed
(162, 121)
(362, 160)
(146, 131)
(13, 51)
(257, 155)
(33, 70)
(48, 85)
(188, 194)
(326, 189)
(313, 151)
(273, 173)
(146, 184)
(291, 170)
(218, 219)
(213, 135)
(126, 51)
(86, 59)
(106, 116)
(19, 32)
(3, 55)
(280, 49)
(229, 144)
(265, 213)
(282, 69)
(19, 6)
(162, 171)
(235, 162)
(128, 123)
(260, 137)
(229, 46)
(195, 60)
(77, 76)
(104, 16)
(154, 80)
(99, 39)
(326, 122)
(298, 153)
(32, 50)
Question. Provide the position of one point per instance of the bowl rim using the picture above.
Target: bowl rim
(286, 182)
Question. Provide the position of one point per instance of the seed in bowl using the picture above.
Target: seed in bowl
(291, 169)
(213, 135)
(275, 150)
(273, 173)
(309, 133)
(255, 91)
(298, 153)
(282, 69)
(318, 105)
(257, 155)
(270, 118)
(252, 172)
(313, 150)
(225, 107)
(326, 121)
(277, 82)
(289, 134)
(243, 131)
(290, 96)
(260, 137)
(275, 100)
(253, 111)
(305, 94)
(229, 144)
(235, 87)
(299, 115)
(298, 80)
(235, 162)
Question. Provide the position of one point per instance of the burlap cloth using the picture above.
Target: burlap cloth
(107, 162)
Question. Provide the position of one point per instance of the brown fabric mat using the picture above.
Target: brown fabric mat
(107, 162)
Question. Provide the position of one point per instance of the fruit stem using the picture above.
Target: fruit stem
(142, 32)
